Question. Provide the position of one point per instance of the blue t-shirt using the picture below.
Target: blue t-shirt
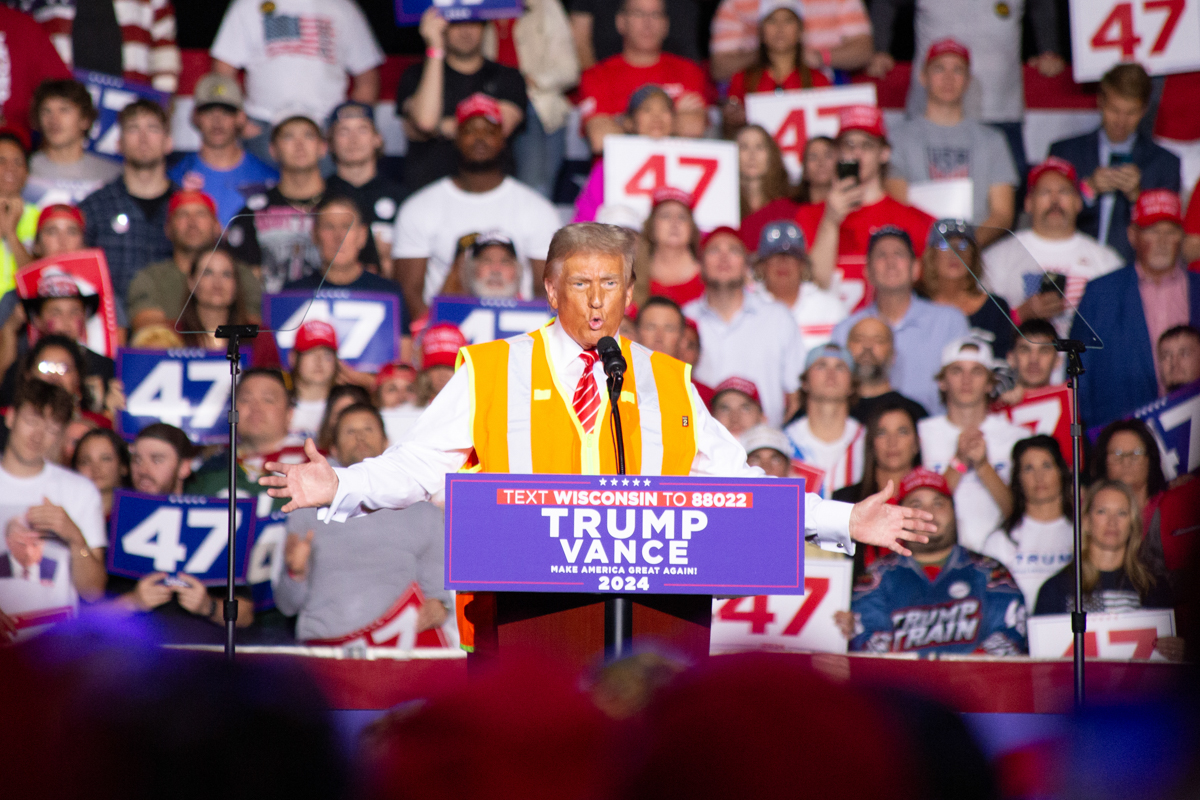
(229, 188)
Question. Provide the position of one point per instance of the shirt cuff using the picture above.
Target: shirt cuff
(348, 500)
(830, 524)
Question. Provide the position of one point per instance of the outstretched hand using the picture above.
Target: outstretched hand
(873, 521)
(311, 485)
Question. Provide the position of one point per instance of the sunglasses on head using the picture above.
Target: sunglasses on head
(53, 368)
(961, 245)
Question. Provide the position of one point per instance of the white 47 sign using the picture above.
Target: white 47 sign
(1161, 35)
(634, 166)
(786, 622)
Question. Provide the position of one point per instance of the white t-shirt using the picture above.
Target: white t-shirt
(399, 420)
(430, 223)
(842, 459)
(761, 344)
(61, 487)
(1032, 552)
(976, 511)
(306, 417)
(1014, 267)
(45, 593)
(298, 55)
(816, 311)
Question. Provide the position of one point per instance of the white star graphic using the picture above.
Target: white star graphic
(625, 482)
(603, 482)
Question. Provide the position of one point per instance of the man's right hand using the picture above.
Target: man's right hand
(311, 485)
(151, 592)
(880, 65)
(845, 196)
(433, 28)
(1105, 179)
(296, 553)
(1043, 305)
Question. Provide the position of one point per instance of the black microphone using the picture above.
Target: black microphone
(610, 353)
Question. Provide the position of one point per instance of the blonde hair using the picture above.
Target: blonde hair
(591, 237)
(1139, 576)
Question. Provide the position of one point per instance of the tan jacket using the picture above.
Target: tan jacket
(546, 53)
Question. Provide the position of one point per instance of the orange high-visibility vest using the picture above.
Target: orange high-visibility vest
(522, 419)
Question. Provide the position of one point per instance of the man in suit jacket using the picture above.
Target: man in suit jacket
(1131, 308)
(1115, 161)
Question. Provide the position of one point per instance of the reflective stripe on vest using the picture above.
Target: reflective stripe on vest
(522, 420)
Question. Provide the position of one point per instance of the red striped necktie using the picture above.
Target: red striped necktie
(587, 396)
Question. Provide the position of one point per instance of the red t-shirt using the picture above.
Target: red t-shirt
(26, 59)
(1178, 112)
(606, 87)
(856, 233)
(506, 46)
(681, 293)
(766, 83)
(778, 209)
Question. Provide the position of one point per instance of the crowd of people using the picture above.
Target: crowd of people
(840, 332)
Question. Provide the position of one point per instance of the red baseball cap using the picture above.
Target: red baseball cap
(315, 333)
(1157, 205)
(736, 384)
(922, 478)
(60, 211)
(868, 119)
(1053, 164)
(440, 345)
(390, 370)
(722, 230)
(478, 105)
(664, 193)
(948, 46)
(186, 197)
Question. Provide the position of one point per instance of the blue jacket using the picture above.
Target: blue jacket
(973, 606)
(1160, 170)
(1119, 377)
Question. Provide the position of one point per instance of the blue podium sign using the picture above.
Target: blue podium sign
(633, 534)
(487, 320)
(176, 533)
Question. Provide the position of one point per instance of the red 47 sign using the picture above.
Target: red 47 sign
(1127, 635)
(1047, 411)
(786, 622)
(634, 166)
(795, 117)
(1161, 35)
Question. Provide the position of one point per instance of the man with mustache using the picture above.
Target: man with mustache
(1057, 249)
(552, 416)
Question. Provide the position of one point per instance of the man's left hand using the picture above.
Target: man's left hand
(873, 521)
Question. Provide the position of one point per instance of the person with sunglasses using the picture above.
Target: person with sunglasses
(952, 272)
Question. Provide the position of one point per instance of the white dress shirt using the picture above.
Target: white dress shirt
(441, 441)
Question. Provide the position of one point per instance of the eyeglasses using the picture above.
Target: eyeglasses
(1125, 455)
(53, 368)
(961, 245)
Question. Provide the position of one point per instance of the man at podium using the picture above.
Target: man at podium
(534, 404)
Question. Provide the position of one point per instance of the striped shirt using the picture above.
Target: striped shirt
(148, 51)
(827, 24)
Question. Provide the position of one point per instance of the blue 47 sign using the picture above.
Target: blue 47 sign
(367, 323)
(110, 95)
(487, 320)
(185, 388)
(408, 12)
(1175, 422)
(179, 533)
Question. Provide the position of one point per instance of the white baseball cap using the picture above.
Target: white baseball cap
(761, 436)
(968, 348)
(768, 7)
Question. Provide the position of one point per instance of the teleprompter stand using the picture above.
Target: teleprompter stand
(1072, 349)
(236, 334)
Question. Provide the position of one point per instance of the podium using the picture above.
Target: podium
(542, 553)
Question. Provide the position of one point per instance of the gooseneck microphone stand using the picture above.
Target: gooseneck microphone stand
(1073, 349)
(618, 611)
(236, 334)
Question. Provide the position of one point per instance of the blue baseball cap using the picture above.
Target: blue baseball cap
(829, 350)
(890, 230)
(782, 236)
(351, 109)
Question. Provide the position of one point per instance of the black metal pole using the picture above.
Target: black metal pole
(234, 333)
(618, 611)
(1072, 349)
